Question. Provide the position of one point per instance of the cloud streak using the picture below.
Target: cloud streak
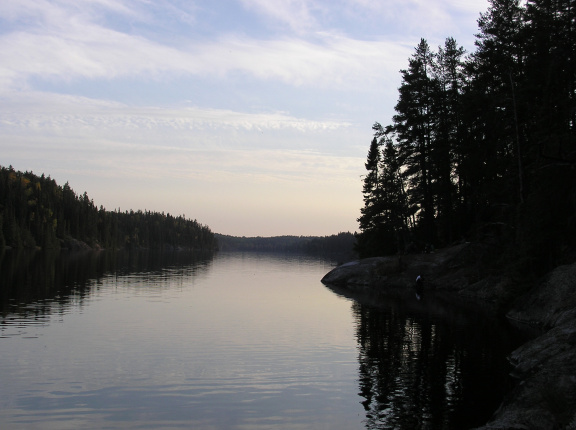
(31, 112)
(210, 108)
(398, 20)
(147, 142)
(67, 40)
(335, 62)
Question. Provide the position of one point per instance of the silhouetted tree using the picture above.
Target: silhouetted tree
(484, 146)
(413, 126)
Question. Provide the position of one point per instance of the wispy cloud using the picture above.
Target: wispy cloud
(94, 52)
(335, 62)
(210, 107)
(298, 15)
(44, 112)
(76, 146)
(405, 19)
(66, 40)
(203, 144)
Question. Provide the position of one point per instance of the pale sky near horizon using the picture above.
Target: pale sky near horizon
(251, 116)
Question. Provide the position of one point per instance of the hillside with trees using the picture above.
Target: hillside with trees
(37, 212)
(339, 245)
(483, 145)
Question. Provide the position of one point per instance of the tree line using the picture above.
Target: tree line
(341, 244)
(482, 145)
(37, 212)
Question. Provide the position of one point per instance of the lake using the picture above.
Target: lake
(233, 341)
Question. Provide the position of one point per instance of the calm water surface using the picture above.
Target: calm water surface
(232, 341)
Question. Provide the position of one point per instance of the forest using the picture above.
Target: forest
(36, 212)
(482, 145)
(339, 245)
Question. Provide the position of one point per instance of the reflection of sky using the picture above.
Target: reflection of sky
(252, 343)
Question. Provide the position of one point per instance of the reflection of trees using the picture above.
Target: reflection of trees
(35, 284)
(421, 372)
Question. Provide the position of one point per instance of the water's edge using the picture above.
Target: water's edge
(544, 364)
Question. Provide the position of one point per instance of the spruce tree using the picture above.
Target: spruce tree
(367, 240)
(413, 125)
(447, 154)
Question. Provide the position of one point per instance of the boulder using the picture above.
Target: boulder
(551, 302)
(361, 273)
(399, 271)
(545, 398)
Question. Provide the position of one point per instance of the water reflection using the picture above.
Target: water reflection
(432, 365)
(237, 341)
(35, 285)
(240, 341)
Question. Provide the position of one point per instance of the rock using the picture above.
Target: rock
(550, 303)
(365, 272)
(393, 271)
(545, 397)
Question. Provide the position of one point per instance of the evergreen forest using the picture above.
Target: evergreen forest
(37, 212)
(482, 146)
(339, 245)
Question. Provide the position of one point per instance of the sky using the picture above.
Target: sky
(253, 117)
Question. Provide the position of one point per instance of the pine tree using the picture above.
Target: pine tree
(447, 155)
(413, 125)
(550, 34)
(395, 210)
(370, 189)
(497, 70)
(547, 221)
(369, 213)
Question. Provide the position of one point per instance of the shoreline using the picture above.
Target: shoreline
(545, 365)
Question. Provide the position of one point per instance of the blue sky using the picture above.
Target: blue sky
(252, 116)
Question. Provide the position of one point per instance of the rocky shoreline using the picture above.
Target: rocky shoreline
(545, 397)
